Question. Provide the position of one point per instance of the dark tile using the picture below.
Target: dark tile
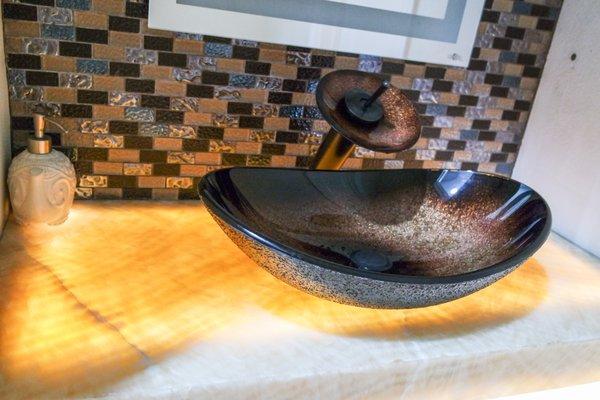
(322, 61)
(291, 111)
(92, 97)
(43, 2)
(153, 156)
(216, 39)
(312, 112)
(456, 145)
(138, 142)
(21, 123)
(303, 162)
(158, 43)
(171, 117)
(27, 61)
(245, 53)
(510, 147)
(477, 65)
(123, 127)
(370, 163)
(466, 100)
(515, 33)
(39, 78)
(91, 35)
(443, 155)
(280, 98)
(136, 9)
(301, 124)
(74, 49)
(230, 159)
(122, 181)
(202, 91)
(435, 72)
(481, 124)
(538, 10)
(210, 132)
(156, 101)
(92, 154)
(502, 43)
(532, 72)
(455, 111)
(195, 145)
(139, 85)
(123, 24)
(498, 157)
(76, 111)
(19, 11)
(251, 122)
(172, 59)
(84, 167)
(526, 59)
(510, 115)
(430, 132)
(490, 16)
(545, 24)
(215, 78)
(493, 79)
(469, 166)
(412, 95)
(487, 136)
(291, 85)
(188, 194)
(273, 149)
(308, 73)
(242, 80)
(130, 193)
(287, 137)
(388, 67)
(442, 86)
(124, 69)
(239, 108)
(259, 68)
(498, 91)
(166, 169)
(522, 105)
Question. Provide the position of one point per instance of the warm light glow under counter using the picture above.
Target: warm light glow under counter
(130, 300)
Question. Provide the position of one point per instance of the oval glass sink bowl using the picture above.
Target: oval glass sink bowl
(381, 239)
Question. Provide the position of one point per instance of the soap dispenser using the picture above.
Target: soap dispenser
(41, 181)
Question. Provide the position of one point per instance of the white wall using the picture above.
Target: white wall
(4, 134)
(560, 155)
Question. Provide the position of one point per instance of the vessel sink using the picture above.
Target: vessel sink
(380, 239)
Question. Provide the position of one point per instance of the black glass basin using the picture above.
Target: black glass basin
(384, 239)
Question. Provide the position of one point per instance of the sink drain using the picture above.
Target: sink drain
(371, 260)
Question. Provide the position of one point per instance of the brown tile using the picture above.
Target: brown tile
(165, 194)
(57, 63)
(107, 112)
(16, 28)
(88, 19)
(188, 46)
(254, 95)
(236, 134)
(414, 71)
(195, 118)
(123, 155)
(153, 32)
(403, 82)
(108, 193)
(272, 55)
(342, 62)
(455, 74)
(247, 147)
(100, 82)
(527, 22)
(284, 71)
(353, 163)
(213, 106)
(13, 44)
(167, 144)
(283, 161)
(448, 98)
(193, 170)
(151, 181)
(60, 95)
(230, 65)
(208, 158)
(156, 71)
(111, 7)
(305, 99)
(297, 149)
(124, 39)
(170, 88)
(276, 123)
(105, 52)
(489, 54)
(108, 168)
(76, 139)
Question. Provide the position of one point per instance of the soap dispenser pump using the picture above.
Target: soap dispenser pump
(41, 181)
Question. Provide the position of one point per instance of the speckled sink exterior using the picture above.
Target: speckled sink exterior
(444, 234)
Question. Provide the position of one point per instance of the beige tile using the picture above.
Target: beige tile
(100, 82)
(124, 39)
(305, 99)
(276, 123)
(230, 65)
(195, 118)
(272, 55)
(105, 52)
(58, 63)
(107, 168)
(17, 28)
(60, 95)
(156, 71)
(167, 144)
(247, 147)
(254, 95)
(193, 170)
(188, 46)
(284, 71)
(152, 181)
(170, 88)
(208, 158)
(283, 161)
(107, 112)
(236, 134)
(88, 19)
(111, 7)
(342, 62)
(212, 106)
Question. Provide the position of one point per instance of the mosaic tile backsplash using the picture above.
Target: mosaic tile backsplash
(149, 112)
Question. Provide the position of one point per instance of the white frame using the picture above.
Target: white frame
(169, 15)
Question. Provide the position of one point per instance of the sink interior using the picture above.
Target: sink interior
(401, 222)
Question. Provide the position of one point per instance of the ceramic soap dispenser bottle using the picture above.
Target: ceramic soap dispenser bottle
(41, 181)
